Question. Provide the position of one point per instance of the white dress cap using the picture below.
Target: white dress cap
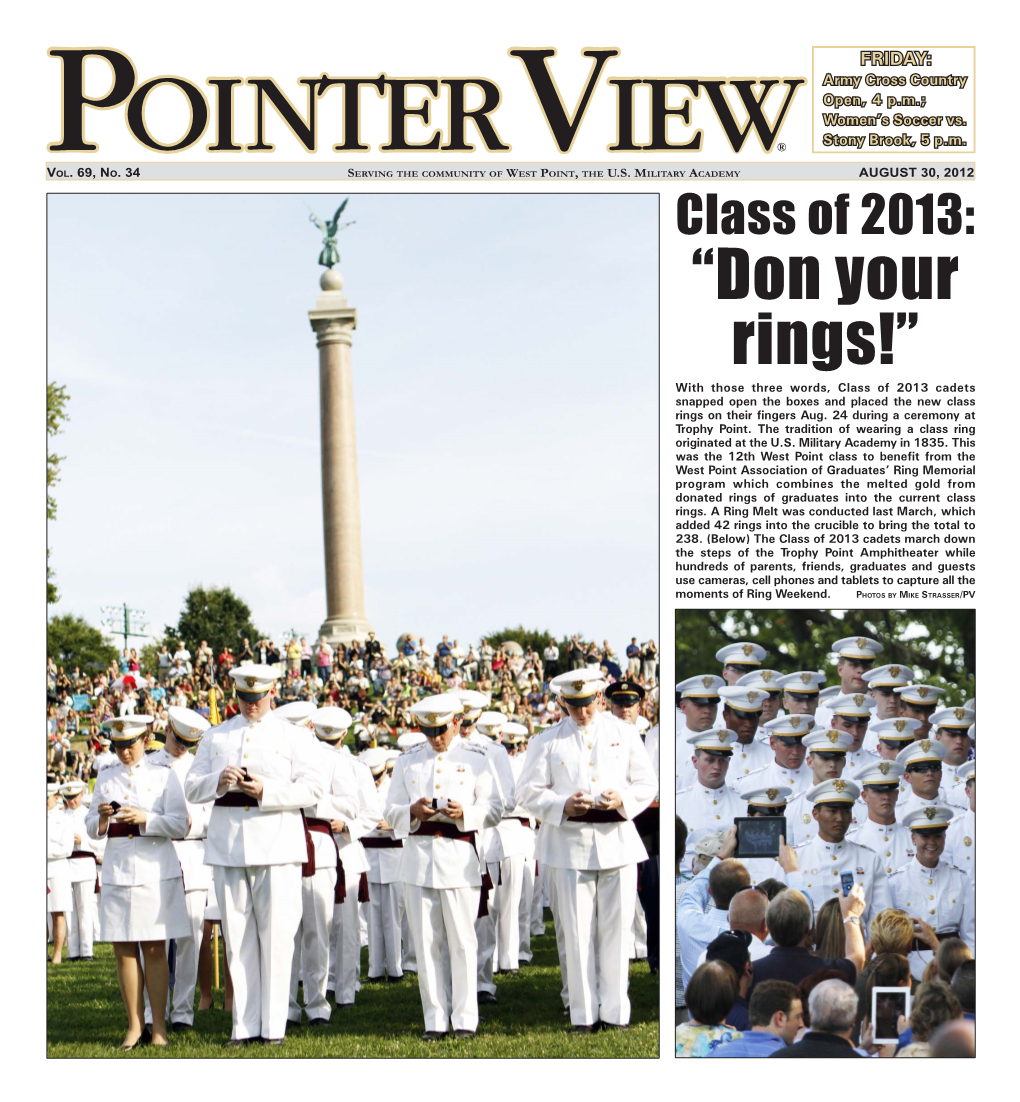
(743, 699)
(490, 723)
(828, 740)
(953, 719)
(834, 791)
(706, 685)
(925, 749)
(298, 712)
(920, 695)
(888, 677)
(331, 723)
(125, 728)
(879, 772)
(803, 681)
(766, 680)
(741, 654)
(895, 730)
(854, 705)
(857, 646)
(438, 710)
(187, 724)
(254, 678)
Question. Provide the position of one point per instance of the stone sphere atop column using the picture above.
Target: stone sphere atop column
(331, 280)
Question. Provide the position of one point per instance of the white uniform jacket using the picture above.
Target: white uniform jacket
(383, 860)
(961, 840)
(908, 803)
(943, 897)
(59, 836)
(707, 809)
(503, 777)
(802, 826)
(339, 799)
(460, 773)
(891, 842)
(746, 759)
(156, 790)
(275, 752)
(366, 817)
(566, 759)
(83, 869)
(776, 776)
(820, 876)
(190, 847)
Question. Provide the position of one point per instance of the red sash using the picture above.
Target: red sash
(448, 830)
(321, 826)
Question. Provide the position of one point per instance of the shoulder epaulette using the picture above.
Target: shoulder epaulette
(475, 749)
(682, 791)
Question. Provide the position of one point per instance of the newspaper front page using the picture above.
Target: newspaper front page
(655, 361)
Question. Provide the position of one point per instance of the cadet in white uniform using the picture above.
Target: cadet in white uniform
(922, 764)
(485, 737)
(961, 838)
(930, 889)
(801, 692)
(767, 682)
(442, 793)
(258, 772)
(587, 778)
(697, 705)
(919, 702)
(382, 849)
(788, 768)
(184, 733)
(743, 706)
(823, 861)
(855, 656)
(59, 845)
(81, 918)
(882, 682)
(954, 729)
(892, 736)
(516, 735)
(880, 788)
(319, 883)
(739, 659)
(138, 806)
(106, 756)
(709, 804)
(826, 758)
(851, 713)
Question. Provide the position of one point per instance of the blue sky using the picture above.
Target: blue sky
(505, 383)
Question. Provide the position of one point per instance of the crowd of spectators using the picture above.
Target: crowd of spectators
(772, 979)
(375, 684)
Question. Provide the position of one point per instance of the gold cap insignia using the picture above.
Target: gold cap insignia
(766, 676)
(930, 813)
(833, 736)
(923, 691)
(772, 793)
(859, 699)
(862, 644)
(925, 744)
(753, 695)
(794, 721)
(432, 718)
(895, 670)
(708, 682)
(328, 730)
(577, 686)
(959, 712)
(806, 678)
(900, 725)
(839, 785)
(748, 649)
(118, 726)
(251, 682)
(723, 736)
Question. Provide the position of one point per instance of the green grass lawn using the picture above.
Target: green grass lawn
(85, 1018)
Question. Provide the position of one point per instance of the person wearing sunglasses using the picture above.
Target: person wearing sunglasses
(922, 770)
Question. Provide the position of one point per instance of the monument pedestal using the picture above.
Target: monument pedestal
(333, 321)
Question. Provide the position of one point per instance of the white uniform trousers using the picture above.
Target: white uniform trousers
(81, 922)
(384, 931)
(311, 946)
(485, 934)
(595, 907)
(638, 947)
(345, 947)
(561, 943)
(260, 910)
(408, 961)
(524, 910)
(186, 970)
(541, 896)
(442, 922)
(508, 905)
(363, 924)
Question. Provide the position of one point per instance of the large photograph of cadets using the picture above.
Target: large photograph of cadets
(825, 833)
(306, 798)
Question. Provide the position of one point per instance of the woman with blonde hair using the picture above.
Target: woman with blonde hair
(830, 933)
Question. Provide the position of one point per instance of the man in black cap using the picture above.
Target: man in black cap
(625, 699)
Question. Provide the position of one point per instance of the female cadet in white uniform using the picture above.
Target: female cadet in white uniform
(586, 778)
(81, 919)
(59, 844)
(138, 806)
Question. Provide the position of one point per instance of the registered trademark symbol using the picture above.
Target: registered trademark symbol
(781, 147)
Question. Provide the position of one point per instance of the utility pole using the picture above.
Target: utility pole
(118, 620)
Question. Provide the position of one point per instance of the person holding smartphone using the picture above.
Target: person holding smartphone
(586, 779)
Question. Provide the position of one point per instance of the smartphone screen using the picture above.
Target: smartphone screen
(847, 880)
(887, 1005)
(115, 806)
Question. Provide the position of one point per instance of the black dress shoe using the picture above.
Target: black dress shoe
(612, 1025)
(180, 1027)
(433, 1035)
(71, 960)
(146, 1036)
(394, 979)
(239, 1042)
(271, 1040)
(375, 979)
(586, 1028)
(486, 997)
(317, 1023)
(86, 960)
(344, 1006)
(331, 995)
(461, 1034)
